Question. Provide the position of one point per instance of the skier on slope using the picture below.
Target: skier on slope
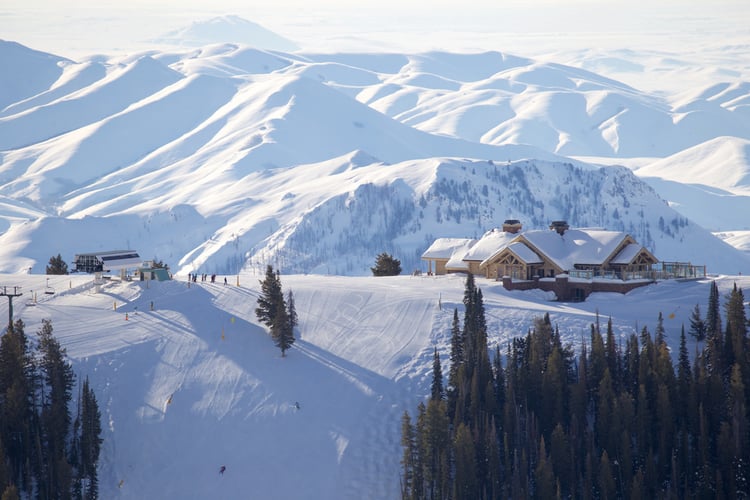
(222, 469)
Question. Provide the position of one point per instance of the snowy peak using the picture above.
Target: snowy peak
(26, 72)
(228, 29)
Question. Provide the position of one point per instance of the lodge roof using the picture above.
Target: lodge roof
(444, 248)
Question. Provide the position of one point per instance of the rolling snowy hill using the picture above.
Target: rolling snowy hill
(227, 156)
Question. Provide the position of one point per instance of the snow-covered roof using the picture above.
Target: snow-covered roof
(576, 246)
(489, 244)
(444, 248)
(627, 254)
(525, 253)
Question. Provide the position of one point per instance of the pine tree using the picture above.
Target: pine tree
(55, 417)
(607, 487)
(57, 265)
(436, 390)
(279, 315)
(697, 324)
(684, 380)
(291, 310)
(715, 342)
(659, 332)
(386, 265)
(16, 411)
(456, 360)
(10, 493)
(544, 478)
(560, 458)
(90, 442)
(408, 458)
(736, 333)
(465, 485)
(282, 331)
(270, 297)
(435, 449)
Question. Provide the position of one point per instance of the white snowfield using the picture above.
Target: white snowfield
(196, 382)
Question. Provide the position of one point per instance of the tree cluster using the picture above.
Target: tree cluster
(614, 421)
(56, 266)
(45, 451)
(386, 265)
(276, 312)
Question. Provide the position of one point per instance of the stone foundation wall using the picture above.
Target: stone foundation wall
(567, 291)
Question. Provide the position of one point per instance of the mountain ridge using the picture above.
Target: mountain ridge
(256, 151)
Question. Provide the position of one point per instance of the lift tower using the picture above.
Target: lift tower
(10, 292)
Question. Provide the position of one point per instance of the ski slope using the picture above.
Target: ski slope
(196, 383)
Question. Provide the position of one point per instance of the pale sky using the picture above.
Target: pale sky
(73, 28)
(701, 33)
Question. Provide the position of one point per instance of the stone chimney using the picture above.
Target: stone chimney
(512, 226)
(560, 226)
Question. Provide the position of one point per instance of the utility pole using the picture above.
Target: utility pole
(10, 292)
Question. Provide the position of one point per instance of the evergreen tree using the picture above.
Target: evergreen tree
(436, 390)
(684, 380)
(697, 324)
(660, 429)
(57, 265)
(281, 328)
(291, 310)
(435, 449)
(408, 459)
(607, 487)
(560, 458)
(386, 265)
(456, 360)
(41, 454)
(90, 442)
(659, 333)
(56, 477)
(279, 315)
(465, 485)
(715, 342)
(270, 297)
(736, 332)
(16, 404)
(10, 493)
(544, 478)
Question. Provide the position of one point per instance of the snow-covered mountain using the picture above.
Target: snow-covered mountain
(226, 156)
(228, 28)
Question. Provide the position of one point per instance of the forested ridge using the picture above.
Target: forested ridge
(618, 420)
(46, 450)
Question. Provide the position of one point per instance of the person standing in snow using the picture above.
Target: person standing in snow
(222, 469)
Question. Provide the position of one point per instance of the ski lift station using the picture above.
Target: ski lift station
(107, 262)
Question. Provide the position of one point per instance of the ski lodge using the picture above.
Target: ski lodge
(572, 263)
(107, 262)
